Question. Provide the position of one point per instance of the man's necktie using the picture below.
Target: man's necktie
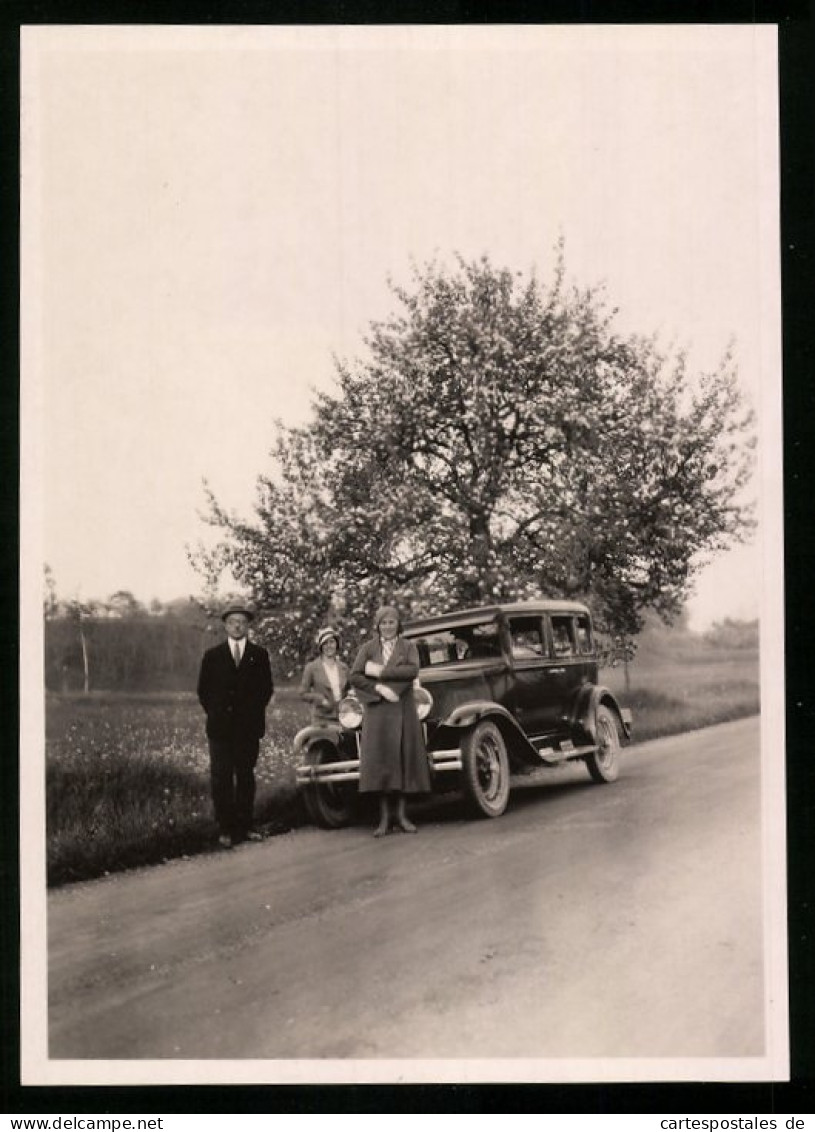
(237, 653)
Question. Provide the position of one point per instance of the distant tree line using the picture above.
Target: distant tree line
(658, 641)
(733, 634)
(122, 645)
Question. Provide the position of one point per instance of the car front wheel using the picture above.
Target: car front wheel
(486, 769)
(329, 804)
(604, 764)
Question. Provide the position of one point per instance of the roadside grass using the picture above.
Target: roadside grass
(670, 696)
(127, 775)
(127, 780)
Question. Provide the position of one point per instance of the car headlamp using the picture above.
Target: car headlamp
(350, 713)
(424, 702)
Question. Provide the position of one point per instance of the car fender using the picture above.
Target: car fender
(468, 714)
(465, 716)
(585, 713)
(315, 731)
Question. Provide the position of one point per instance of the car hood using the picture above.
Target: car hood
(451, 685)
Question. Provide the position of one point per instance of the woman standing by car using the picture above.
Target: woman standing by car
(393, 761)
(325, 679)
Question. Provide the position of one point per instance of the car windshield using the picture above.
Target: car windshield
(460, 643)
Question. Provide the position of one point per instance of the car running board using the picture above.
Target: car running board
(565, 750)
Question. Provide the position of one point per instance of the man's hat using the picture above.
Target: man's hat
(237, 607)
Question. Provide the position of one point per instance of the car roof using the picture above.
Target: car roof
(490, 612)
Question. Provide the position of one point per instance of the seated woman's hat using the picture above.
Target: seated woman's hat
(237, 607)
(326, 634)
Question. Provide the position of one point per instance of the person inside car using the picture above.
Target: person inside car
(563, 641)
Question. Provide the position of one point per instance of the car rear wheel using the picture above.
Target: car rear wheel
(329, 804)
(486, 769)
(604, 764)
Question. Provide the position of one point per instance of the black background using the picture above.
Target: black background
(795, 30)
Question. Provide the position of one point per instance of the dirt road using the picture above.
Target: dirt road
(588, 921)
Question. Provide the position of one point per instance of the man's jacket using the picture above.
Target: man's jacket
(235, 697)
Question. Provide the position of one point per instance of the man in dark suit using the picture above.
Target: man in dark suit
(234, 687)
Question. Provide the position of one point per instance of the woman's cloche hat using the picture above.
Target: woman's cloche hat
(325, 635)
(386, 611)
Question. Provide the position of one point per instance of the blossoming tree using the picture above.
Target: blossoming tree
(497, 440)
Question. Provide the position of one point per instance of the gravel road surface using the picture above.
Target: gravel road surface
(589, 921)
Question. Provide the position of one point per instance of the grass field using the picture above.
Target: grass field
(128, 775)
(127, 779)
(668, 695)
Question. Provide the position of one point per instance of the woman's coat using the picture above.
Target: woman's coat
(315, 687)
(393, 756)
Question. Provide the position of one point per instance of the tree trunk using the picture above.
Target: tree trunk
(85, 665)
(470, 593)
(483, 588)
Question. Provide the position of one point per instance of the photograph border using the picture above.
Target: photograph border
(796, 72)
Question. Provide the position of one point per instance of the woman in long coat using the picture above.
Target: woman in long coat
(393, 760)
(325, 679)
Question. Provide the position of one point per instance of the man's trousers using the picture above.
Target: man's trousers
(232, 777)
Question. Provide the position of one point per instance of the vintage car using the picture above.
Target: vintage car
(504, 691)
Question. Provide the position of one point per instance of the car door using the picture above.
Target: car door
(528, 652)
(564, 672)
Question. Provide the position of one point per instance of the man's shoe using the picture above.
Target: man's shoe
(253, 835)
(225, 841)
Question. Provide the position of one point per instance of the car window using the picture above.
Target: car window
(562, 637)
(465, 642)
(584, 642)
(526, 637)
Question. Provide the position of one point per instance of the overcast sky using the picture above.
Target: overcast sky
(210, 214)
